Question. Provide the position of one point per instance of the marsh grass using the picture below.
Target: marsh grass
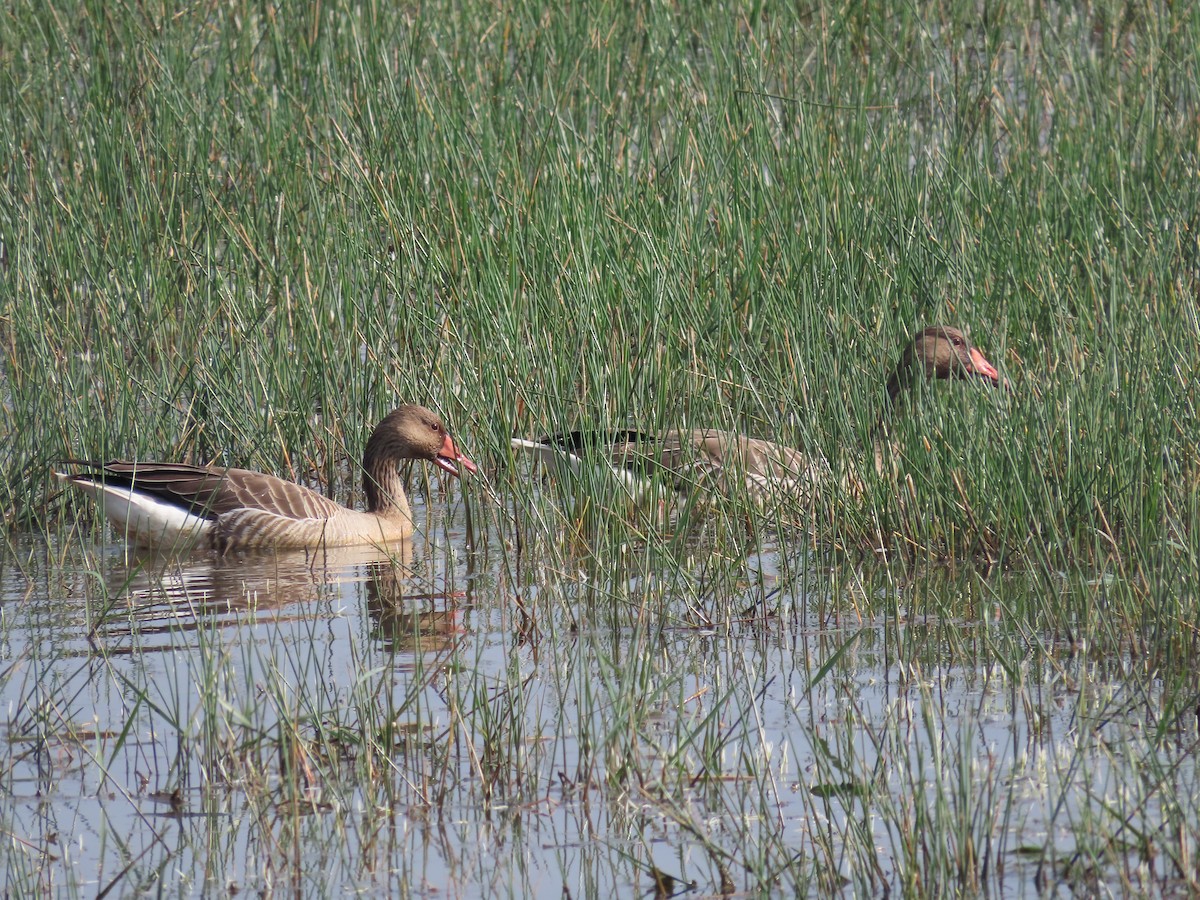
(529, 242)
(242, 233)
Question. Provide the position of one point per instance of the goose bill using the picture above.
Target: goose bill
(449, 455)
(983, 368)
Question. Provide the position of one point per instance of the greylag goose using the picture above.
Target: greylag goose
(174, 505)
(707, 456)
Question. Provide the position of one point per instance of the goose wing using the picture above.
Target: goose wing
(210, 491)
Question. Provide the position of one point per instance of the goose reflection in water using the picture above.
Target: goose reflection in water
(406, 621)
(154, 595)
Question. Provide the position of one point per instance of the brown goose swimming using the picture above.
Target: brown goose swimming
(707, 456)
(166, 505)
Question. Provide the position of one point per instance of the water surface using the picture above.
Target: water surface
(463, 718)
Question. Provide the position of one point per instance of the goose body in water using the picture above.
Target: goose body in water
(176, 505)
(710, 458)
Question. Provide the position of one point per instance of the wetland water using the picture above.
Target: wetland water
(441, 721)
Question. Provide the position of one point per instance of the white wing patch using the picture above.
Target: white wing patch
(141, 518)
(564, 466)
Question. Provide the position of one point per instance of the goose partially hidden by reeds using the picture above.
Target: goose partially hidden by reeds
(175, 505)
(708, 458)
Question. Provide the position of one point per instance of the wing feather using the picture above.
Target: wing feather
(212, 492)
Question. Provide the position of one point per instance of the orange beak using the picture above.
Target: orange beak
(448, 456)
(985, 369)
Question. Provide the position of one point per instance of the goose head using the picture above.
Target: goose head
(941, 351)
(414, 432)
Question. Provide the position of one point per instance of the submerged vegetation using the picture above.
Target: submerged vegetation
(240, 233)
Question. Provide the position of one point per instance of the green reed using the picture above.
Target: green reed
(222, 224)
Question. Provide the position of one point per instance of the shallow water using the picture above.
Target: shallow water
(444, 720)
